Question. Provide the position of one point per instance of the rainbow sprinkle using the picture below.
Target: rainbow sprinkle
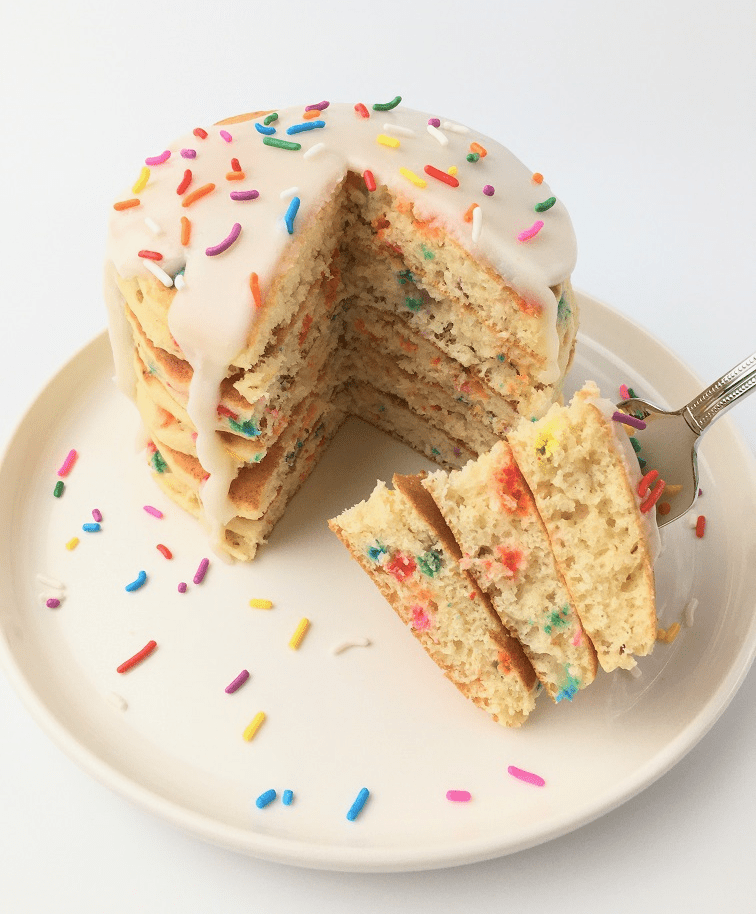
(412, 177)
(387, 106)
(535, 779)
(254, 725)
(531, 232)
(137, 658)
(58, 490)
(139, 581)
(158, 160)
(356, 808)
(441, 175)
(265, 799)
(281, 144)
(291, 213)
(244, 194)
(237, 683)
(299, 633)
(141, 181)
(68, 463)
(632, 421)
(459, 796)
(153, 511)
(547, 204)
(390, 141)
(257, 603)
(307, 125)
(224, 245)
(199, 575)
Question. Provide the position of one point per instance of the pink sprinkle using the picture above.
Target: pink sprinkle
(578, 637)
(188, 153)
(527, 776)
(628, 420)
(153, 511)
(245, 194)
(201, 571)
(459, 796)
(182, 587)
(68, 463)
(321, 106)
(158, 160)
(226, 243)
(434, 122)
(534, 229)
(96, 515)
(226, 136)
(624, 392)
(237, 683)
(488, 190)
(53, 603)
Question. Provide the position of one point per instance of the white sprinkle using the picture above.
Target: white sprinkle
(455, 128)
(289, 192)
(152, 226)
(692, 521)
(50, 582)
(179, 281)
(314, 150)
(635, 672)
(357, 642)
(437, 135)
(396, 130)
(117, 701)
(477, 224)
(690, 611)
(159, 272)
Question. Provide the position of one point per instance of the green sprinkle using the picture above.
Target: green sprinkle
(428, 255)
(270, 118)
(281, 144)
(249, 428)
(473, 156)
(387, 106)
(404, 276)
(158, 464)
(563, 309)
(430, 562)
(435, 451)
(635, 443)
(632, 393)
(414, 304)
(58, 490)
(547, 204)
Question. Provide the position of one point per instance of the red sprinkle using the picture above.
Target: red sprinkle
(235, 166)
(126, 204)
(441, 176)
(645, 484)
(150, 255)
(185, 182)
(361, 110)
(198, 131)
(654, 496)
(164, 550)
(225, 411)
(369, 180)
(700, 526)
(137, 658)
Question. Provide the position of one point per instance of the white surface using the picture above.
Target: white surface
(641, 115)
(168, 737)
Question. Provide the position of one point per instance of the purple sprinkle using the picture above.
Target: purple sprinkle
(158, 160)
(201, 571)
(628, 420)
(237, 683)
(226, 136)
(53, 603)
(245, 194)
(226, 243)
(189, 153)
(97, 515)
(434, 122)
(153, 511)
(488, 190)
(182, 587)
(321, 106)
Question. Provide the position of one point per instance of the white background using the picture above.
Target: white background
(642, 117)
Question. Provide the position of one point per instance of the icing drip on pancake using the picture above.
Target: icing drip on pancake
(216, 206)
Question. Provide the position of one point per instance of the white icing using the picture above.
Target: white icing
(211, 314)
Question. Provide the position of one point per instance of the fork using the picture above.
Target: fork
(669, 439)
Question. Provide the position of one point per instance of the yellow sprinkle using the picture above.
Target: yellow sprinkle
(254, 726)
(452, 170)
(296, 638)
(411, 176)
(144, 177)
(672, 632)
(256, 603)
(672, 489)
(388, 141)
(72, 543)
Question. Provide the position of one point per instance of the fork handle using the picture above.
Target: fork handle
(721, 395)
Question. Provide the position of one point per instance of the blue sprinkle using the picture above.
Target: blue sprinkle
(291, 212)
(135, 585)
(91, 528)
(356, 808)
(287, 797)
(308, 125)
(266, 130)
(262, 801)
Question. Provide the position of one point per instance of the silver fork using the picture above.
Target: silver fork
(669, 441)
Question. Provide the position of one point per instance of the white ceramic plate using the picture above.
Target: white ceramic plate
(167, 736)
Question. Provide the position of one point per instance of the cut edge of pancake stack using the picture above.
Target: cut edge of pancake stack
(372, 298)
(550, 528)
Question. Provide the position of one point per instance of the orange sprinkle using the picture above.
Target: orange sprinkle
(468, 214)
(700, 526)
(235, 176)
(254, 285)
(126, 204)
(672, 632)
(186, 230)
(538, 178)
(310, 115)
(198, 194)
(476, 147)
